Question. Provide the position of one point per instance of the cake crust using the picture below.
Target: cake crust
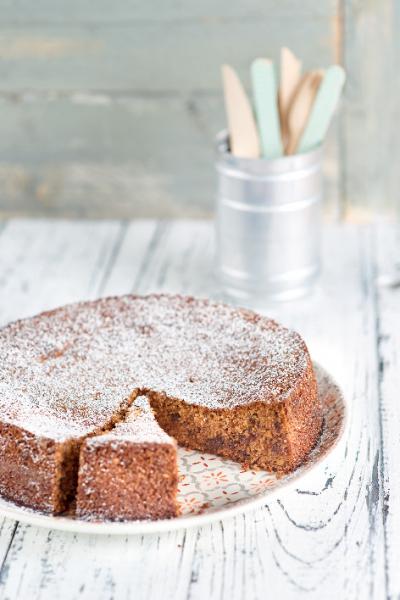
(219, 379)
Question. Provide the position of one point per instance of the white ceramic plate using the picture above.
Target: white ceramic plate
(212, 488)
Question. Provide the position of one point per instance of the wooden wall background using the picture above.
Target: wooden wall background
(109, 108)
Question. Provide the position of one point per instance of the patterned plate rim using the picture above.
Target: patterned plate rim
(32, 517)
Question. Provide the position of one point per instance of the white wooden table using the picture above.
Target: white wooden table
(338, 535)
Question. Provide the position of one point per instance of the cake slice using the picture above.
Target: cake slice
(129, 472)
(38, 471)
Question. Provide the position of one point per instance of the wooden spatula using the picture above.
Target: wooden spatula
(290, 76)
(325, 103)
(300, 108)
(266, 103)
(244, 140)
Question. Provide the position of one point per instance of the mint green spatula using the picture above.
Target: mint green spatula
(324, 105)
(265, 98)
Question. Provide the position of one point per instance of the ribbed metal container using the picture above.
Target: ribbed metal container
(268, 225)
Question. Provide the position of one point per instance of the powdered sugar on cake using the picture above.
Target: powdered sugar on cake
(139, 426)
(67, 372)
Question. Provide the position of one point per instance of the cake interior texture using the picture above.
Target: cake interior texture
(142, 460)
(95, 397)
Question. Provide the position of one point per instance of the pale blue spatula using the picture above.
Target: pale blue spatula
(324, 105)
(265, 98)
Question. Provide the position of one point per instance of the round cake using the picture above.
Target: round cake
(94, 397)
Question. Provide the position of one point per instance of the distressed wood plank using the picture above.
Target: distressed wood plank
(180, 260)
(52, 565)
(371, 56)
(102, 11)
(45, 263)
(111, 157)
(325, 540)
(388, 253)
(120, 57)
(130, 257)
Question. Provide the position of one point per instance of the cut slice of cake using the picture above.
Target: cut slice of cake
(129, 472)
(38, 471)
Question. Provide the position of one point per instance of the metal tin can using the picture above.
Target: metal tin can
(268, 225)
